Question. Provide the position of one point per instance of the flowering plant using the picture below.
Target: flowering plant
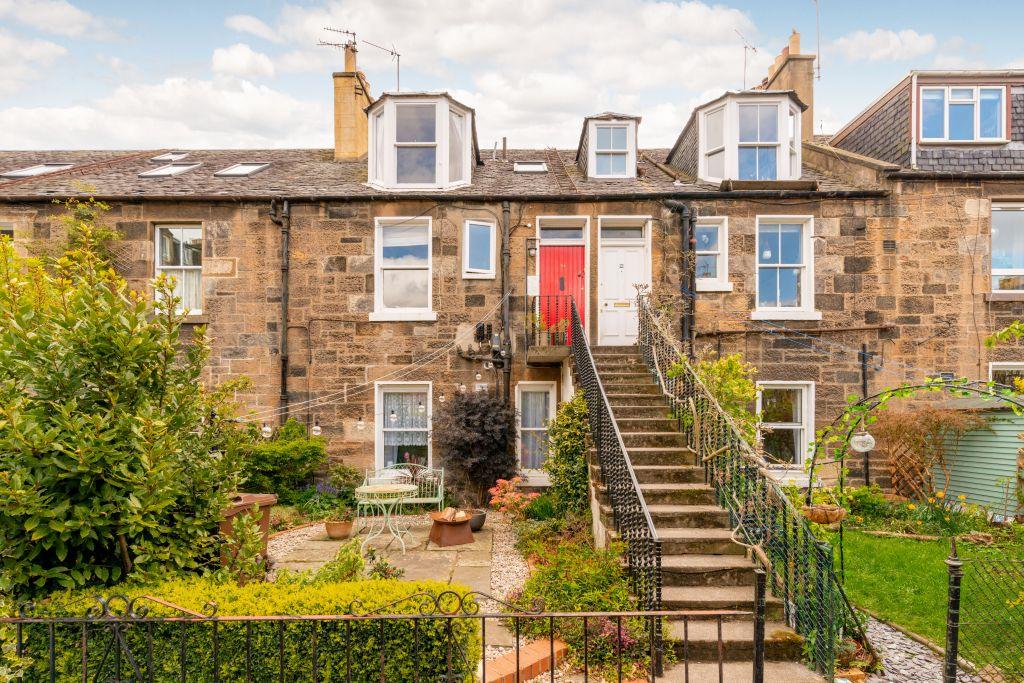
(507, 498)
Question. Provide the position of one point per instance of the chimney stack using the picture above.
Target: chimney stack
(351, 98)
(794, 71)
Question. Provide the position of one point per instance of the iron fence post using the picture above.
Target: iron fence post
(956, 573)
(760, 579)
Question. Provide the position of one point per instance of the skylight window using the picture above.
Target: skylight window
(246, 168)
(530, 167)
(168, 170)
(38, 169)
(170, 156)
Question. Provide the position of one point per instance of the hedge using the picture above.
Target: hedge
(368, 646)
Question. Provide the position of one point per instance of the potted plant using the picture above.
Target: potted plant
(339, 523)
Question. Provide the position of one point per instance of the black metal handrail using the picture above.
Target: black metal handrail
(629, 510)
(548, 319)
(800, 566)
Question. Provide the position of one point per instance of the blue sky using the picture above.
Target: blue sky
(105, 74)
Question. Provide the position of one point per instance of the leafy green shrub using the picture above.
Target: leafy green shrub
(243, 551)
(868, 502)
(730, 380)
(347, 565)
(284, 464)
(566, 464)
(473, 433)
(538, 539)
(362, 648)
(114, 458)
(579, 578)
(542, 508)
(319, 506)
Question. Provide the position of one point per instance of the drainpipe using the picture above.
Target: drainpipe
(913, 120)
(688, 272)
(281, 215)
(506, 323)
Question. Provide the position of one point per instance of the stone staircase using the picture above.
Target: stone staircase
(702, 568)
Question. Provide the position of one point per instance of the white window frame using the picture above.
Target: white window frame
(805, 311)
(789, 142)
(530, 167)
(232, 171)
(711, 151)
(630, 151)
(380, 388)
(720, 283)
(382, 157)
(475, 273)
(1004, 206)
(806, 389)
(380, 313)
(758, 144)
(159, 269)
(551, 387)
(170, 170)
(37, 169)
(1004, 365)
(975, 100)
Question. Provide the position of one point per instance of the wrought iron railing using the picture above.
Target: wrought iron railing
(800, 566)
(423, 637)
(632, 520)
(548, 319)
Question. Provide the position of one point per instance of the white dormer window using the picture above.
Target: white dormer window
(419, 144)
(611, 148)
(750, 137)
(963, 114)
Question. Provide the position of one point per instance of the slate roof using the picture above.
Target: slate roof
(314, 174)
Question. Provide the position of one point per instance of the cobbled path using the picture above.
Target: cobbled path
(906, 660)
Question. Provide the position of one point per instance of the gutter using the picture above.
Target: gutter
(281, 215)
(906, 174)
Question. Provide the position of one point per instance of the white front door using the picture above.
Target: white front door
(622, 267)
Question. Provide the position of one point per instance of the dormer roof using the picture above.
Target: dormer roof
(604, 116)
(421, 94)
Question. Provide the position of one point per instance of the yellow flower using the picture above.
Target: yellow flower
(940, 494)
(911, 506)
(947, 518)
(931, 500)
(860, 520)
(919, 522)
(961, 497)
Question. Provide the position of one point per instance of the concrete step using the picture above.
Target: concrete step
(707, 570)
(719, 598)
(645, 424)
(738, 672)
(661, 455)
(668, 474)
(648, 388)
(615, 377)
(689, 516)
(659, 410)
(781, 643)
(678, 494)
(615, 350)
(636, 400)
(620, 364)
(681, 540)
(653, 440)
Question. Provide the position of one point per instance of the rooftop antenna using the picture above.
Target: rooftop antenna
(746, 46)
(352, 41)
(817, 21)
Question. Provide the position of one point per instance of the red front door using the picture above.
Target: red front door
(562, 278)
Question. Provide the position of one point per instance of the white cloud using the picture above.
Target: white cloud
(957, 53)
(56, 16)
(20, 57)
(241, 60)
(884, 45)
(234, 113)
(244, 23)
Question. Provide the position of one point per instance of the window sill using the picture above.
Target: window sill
(479, 276)
(1003, 296)
(785, 315)
(794, 475)
(196, 319)
(714, 286)
(402, 316)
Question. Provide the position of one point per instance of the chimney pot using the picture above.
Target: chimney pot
(350, 57)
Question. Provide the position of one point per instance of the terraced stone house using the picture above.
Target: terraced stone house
(361, 286)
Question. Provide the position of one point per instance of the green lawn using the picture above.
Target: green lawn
(902, 580)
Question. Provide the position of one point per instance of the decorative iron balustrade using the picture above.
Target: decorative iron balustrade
(422, 637)
(800, 566)
(632, 520)
(548, 320)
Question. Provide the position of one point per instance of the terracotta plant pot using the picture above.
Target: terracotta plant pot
(824, 514)
(338, 530)
(476, 522)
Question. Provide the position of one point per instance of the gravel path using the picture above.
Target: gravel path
(508, 567)
(287, 541)
(906, 660)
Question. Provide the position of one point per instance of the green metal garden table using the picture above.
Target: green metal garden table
(385, 498)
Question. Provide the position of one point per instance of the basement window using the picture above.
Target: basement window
(403, 274)
(7, 230)
(168, 170)
(530, 167)
(240, 170)
(38, 169)
(170, 156)
(1007, 374)
(786, 413)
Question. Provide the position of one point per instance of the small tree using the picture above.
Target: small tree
(474, 433)
(114, 460)
(566, 464)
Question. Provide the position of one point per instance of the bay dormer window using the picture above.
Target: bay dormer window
(750, 136)
(419, 142)
(608, 146)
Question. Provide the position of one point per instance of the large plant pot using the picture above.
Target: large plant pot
(242, 503)
(476, 522)
(338, 530)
